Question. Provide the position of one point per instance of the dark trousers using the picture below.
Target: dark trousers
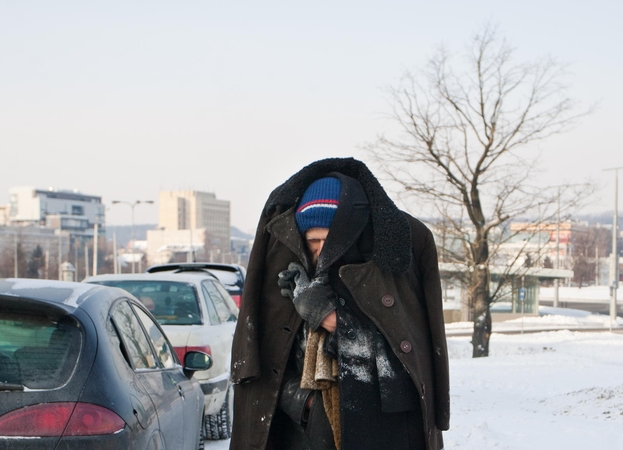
(389, 431)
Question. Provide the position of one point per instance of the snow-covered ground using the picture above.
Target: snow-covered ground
(551, 390)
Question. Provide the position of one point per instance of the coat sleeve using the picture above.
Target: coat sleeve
(245, 361)
(429, 267)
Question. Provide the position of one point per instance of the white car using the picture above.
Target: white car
(197, 314)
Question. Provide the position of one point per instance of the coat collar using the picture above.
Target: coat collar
(351, 217)
(284, 229)
(391, 230)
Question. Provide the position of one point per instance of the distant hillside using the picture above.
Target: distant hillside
(237, 233)
(124, 232)
(603, 217)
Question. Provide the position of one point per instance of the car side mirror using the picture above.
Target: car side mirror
(195, 361)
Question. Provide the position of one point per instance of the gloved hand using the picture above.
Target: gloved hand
(313, 298)
(286, 280)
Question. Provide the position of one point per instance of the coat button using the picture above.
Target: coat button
(351, 335)
(387, 300)
(342, 301)
(405, 346)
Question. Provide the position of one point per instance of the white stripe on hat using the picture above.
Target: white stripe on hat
(322, 205)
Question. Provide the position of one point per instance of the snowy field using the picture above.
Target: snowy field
(552, 390)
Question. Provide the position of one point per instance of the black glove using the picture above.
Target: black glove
(313, 298)
(286, 281)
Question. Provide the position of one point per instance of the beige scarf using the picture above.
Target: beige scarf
(320, 373)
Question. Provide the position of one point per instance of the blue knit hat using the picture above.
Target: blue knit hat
(318, 205)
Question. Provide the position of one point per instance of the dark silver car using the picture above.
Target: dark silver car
(196, 313)
(85, 366)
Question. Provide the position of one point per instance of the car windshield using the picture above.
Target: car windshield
(36, 351)
(170, 302)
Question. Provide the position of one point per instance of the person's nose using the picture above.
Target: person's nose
(320, 245)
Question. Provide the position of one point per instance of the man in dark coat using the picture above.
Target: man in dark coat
(369, 285)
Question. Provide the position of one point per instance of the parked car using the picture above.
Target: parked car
(196, 313)
(231, 276)
(85, 367)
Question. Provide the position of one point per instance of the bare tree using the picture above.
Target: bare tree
(463, 151)
(35, 263)
(7, 262)
(587, 247)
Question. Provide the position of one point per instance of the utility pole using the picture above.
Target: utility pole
(86, 261)
(16, 257)
(614, 270)
(596, 266)
(60, 247)
(114, 254)
(95, 233)
(557, 266)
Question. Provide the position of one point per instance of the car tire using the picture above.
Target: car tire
(202, 435)
(218, 426)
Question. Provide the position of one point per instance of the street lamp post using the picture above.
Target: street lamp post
(557, 260)
(614, 272)
(132, 205)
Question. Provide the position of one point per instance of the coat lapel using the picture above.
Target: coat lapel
(284, 229)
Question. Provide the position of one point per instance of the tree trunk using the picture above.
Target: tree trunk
(480, 299)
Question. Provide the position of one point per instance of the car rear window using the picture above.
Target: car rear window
(170, 302)
(227, 278)
(37, 351)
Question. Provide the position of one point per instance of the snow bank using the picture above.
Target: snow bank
(588, 293)
(549, 318)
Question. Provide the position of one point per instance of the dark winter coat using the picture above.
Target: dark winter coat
(397, 289)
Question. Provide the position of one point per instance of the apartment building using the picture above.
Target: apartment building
(206, 218)
(67, 210)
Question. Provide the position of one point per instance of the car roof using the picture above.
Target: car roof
(69, 294)
(190, 277)
(195, 267)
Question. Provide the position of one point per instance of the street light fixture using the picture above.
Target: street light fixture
(132, 205)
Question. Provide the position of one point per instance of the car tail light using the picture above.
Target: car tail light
(57, 419)
(90, 420)
(181, 351)
(237, 299)
(49, 419)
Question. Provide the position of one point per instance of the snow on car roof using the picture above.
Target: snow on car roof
(68, 293)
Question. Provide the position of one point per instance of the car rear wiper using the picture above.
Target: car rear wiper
(11, 387)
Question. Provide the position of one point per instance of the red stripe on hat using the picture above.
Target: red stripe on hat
(317, 202)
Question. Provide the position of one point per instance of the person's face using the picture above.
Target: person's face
(315, 239)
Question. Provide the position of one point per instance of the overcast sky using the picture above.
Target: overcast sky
(125, 98)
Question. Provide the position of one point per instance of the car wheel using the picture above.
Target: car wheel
(202, 435)
(218, 426)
